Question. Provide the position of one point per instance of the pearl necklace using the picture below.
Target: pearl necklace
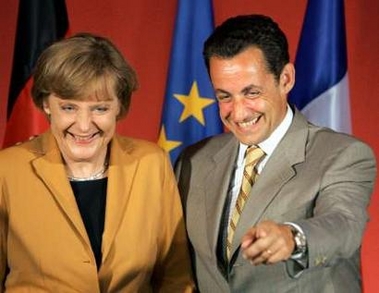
(95, 176)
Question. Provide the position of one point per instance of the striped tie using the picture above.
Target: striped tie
(253, 155)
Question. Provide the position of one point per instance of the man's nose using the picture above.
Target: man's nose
(239, 109)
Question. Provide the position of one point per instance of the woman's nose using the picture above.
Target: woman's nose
(84, 120)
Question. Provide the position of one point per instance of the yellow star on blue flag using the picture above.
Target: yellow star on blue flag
(167, 145)
(193, 104)
(190, 111)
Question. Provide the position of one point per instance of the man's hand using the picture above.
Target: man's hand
(267, 243)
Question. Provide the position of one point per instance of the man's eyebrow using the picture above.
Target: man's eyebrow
(250, 87)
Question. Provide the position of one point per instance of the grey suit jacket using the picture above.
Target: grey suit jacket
(316, 178)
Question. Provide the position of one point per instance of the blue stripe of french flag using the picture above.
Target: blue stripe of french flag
(321, 91)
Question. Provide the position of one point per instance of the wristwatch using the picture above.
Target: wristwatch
(300, 241)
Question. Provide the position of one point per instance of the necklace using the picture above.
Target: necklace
(95, 176)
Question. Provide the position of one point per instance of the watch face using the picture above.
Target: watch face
(300, 241)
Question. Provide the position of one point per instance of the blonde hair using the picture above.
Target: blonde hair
(69, 67)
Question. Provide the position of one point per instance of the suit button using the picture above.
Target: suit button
(320, 261)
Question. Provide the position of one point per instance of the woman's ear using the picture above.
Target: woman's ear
(287, 77)
(46, 107)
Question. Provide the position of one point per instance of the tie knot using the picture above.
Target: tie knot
(253, 155)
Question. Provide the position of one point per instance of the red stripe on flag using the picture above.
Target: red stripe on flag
(26, 119)
(39, 24)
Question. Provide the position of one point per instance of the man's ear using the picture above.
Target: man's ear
(287, 77)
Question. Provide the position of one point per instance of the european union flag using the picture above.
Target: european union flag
(190, 111)
(321, 91)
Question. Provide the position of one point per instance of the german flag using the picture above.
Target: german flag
(39, 23)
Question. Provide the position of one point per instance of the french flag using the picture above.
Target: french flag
(321, 90)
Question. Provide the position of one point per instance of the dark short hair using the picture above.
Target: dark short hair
(244, 31)
(69, 66)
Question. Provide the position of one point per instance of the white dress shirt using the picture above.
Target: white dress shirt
(268, 146)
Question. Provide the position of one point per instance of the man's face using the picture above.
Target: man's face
(252, 102)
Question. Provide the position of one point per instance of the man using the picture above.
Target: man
(299, 228)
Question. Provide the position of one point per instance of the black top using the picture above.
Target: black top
(91, 199)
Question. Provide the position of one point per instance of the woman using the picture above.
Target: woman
(81, 208)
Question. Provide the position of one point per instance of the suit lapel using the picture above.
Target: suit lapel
(218, 181)
(50, 168)
(121, 172)
(277, 172)
(261, 195)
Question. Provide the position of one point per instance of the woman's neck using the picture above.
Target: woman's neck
(87, 170)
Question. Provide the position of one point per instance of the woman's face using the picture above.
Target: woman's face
(83, 128)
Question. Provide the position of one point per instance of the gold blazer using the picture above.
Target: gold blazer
(44, 246)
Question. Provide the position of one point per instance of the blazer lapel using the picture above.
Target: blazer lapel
(50, 168)
(277, 172)
(122, 168)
